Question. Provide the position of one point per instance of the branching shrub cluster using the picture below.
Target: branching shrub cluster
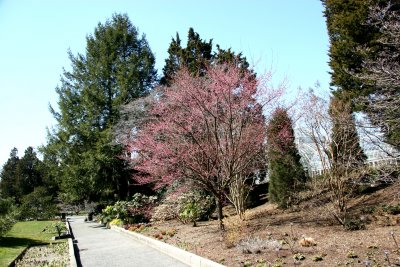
(136, 210)
(186, 207)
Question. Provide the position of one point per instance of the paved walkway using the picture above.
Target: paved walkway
(99, 247)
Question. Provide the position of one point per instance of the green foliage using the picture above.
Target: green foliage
(117, 211)
(187, 207)
(29, 172)
(190, 213)
(391, 209)
(364, 58)
(8, 185)
(132, 211)
(354, 224)
(347, 29)
(7, 215)
(118, 67)
(197, 56)
(56, 227)
(20, 176)
(286, 174)
(37, 205)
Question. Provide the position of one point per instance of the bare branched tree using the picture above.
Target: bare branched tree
(316, 126)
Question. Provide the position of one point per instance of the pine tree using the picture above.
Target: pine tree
(8, 176)
(348, 29)
(29, 171)
(286, 174)
(197, 56)
(364, 58)
(173, 62)
(223, 56)
(118, 67)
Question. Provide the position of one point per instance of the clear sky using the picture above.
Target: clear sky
(35, 36)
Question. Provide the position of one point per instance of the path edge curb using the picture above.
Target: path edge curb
(72, 257)
(177, 253)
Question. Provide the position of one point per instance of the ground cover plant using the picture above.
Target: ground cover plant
(49, 255)
(23, 235)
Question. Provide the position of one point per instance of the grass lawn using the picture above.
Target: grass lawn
(21, 236)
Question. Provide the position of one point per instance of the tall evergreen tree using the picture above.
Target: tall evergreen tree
(348, 30)
(286, 174)
(173, 62)
(29, 172)
(8, 176)
(118, 67)
(197, 56)
(222, 56)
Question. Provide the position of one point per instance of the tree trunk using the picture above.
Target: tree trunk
(218, 201)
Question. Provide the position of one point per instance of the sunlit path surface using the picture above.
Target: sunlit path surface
(99, 246)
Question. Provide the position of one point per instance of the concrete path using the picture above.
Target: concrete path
(99, 247)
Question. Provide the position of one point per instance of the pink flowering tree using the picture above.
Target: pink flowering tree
(209, 129)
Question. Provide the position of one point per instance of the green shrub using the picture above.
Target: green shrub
(37, 205)
(117, 211)
(190, 213)
(133, 211)
(354, 225)
(56, 227)
(391, 209)
(187, 207)
(7, 215)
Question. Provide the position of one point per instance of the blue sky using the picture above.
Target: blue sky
(35, 36)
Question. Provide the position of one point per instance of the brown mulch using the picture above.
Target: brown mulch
(334, 246)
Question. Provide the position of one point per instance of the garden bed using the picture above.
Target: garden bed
(252, 242)
(22, 236)
(56, 254)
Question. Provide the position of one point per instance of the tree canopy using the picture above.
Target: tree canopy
(197, 56)
(364, 49)
(347, 29)
(118, 67)
(205, 129)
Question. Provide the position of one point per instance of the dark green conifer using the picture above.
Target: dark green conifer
(118, 67)
(197, 56)
(286, 174)
(8, 176)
